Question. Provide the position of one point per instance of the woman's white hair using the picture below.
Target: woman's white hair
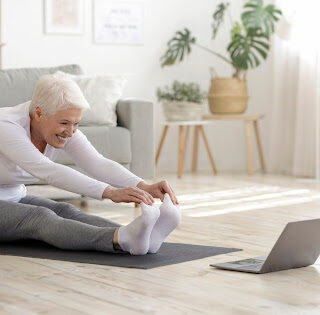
(56, 92)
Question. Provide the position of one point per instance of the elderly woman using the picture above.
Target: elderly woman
(31, 136)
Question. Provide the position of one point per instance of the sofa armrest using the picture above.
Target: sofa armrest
(137, 116)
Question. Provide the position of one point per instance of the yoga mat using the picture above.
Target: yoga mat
(169, 253)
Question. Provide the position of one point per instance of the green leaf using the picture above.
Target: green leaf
(218, 17)
(261, 51)
(178, 46)
(263, 44)
(260, 17)
(237, 29)
(243, 49)
(179, 91)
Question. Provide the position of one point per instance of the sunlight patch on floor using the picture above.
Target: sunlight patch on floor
(226, 193)
(247, 198)
(257, 206)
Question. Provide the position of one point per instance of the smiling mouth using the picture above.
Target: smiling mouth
(63, 139)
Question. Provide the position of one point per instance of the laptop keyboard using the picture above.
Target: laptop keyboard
(248, 262)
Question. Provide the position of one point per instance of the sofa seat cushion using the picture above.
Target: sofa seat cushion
(112, 142)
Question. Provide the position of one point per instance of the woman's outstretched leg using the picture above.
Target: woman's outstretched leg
(68, 211)
(24, 221)
(133, 238)
(21, 221)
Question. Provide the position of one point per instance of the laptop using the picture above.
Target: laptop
(298, 246)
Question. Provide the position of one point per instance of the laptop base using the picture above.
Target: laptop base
(252, 265)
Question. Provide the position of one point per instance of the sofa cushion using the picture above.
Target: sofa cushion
(112, 142)
(102, 93)
(17, 85)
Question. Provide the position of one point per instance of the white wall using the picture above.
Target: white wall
(28, 46)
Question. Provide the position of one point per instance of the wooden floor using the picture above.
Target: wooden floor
(231, 211)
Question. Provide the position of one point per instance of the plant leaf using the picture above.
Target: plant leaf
(243, 49)
(177, 48)
(218, 17)
(258, 16)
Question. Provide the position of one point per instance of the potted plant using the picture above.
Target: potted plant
(181, 101)
(249, 43)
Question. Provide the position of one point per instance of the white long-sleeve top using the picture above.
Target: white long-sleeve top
(22, 163)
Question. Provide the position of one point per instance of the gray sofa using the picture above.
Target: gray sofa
(130, 143)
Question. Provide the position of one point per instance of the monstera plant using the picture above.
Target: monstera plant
(249, 45)
(249, 37)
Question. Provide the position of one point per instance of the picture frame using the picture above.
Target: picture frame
(118, 22)
(64, 17)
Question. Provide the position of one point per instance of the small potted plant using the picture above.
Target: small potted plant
(182, 101)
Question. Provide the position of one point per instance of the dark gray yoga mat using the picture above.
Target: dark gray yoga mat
(169, 253)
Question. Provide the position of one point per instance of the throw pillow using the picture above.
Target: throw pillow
(102, 93)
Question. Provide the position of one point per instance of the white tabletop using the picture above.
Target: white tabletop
(209, 119)
(186, 122)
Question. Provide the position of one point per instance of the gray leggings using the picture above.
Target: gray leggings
(57, 223)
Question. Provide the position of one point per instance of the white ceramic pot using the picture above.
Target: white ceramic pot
(178, 111)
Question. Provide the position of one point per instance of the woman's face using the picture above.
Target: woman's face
(57, 128)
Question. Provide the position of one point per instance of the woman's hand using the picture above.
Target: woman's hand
(129, 194)
(158, 190)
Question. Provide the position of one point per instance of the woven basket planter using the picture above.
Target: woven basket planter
(178, 111)
(228, 96)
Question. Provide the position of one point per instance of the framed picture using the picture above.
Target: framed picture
(64, 17)
(116, 22)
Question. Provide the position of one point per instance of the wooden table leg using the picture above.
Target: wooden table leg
(164, 132)
(250, 165)
(208, 150)
(186, 135)
(84, 204)
(181, 151)
(195, 148)
(263, 166)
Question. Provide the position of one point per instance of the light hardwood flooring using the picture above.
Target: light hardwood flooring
(224, 210)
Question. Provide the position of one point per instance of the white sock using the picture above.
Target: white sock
(135, 237)
(170, 217)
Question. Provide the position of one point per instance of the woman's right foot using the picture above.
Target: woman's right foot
(135, 237)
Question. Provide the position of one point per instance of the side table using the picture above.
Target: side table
(184, 127)
(249, 120)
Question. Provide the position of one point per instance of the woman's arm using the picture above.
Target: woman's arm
(80, 149)
(89, 159)
(17, 147)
